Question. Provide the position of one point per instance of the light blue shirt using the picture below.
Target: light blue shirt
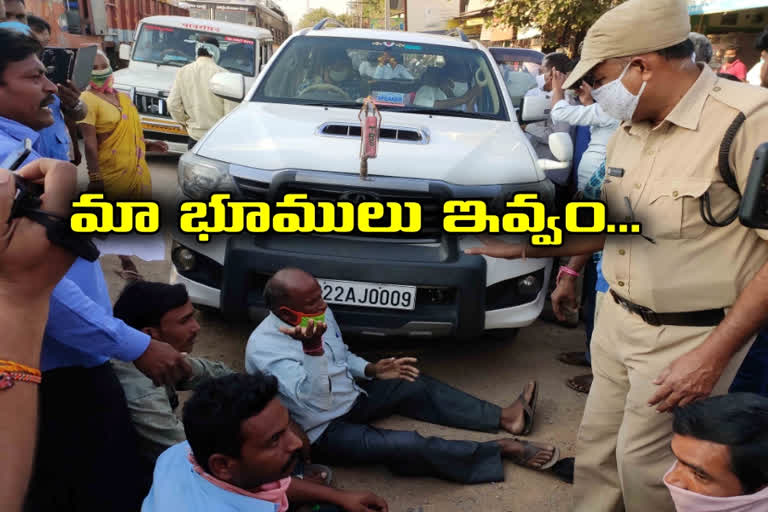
(54, 140)
(177, 486)
(81, 330)
(315, 389)
(17, 26)
(12, 137)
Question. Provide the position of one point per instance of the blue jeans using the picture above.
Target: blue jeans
(753, 374)
(350, 440)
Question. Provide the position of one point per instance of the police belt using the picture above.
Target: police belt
(704, 318)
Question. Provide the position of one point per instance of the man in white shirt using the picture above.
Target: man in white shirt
(300, 344)
(601, 125)
(191, 103)
(438, 92)
(758, 75)
(368, 67)
(389, 68)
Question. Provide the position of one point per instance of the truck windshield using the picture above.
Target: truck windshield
(172, 46)
(417, 78)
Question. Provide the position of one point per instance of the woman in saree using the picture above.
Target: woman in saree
(114, 146)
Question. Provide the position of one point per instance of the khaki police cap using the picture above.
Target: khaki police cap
(633, 28)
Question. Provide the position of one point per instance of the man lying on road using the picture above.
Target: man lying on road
(301, 344)
(239, 456)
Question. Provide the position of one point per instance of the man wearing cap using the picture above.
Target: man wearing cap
(664, 339)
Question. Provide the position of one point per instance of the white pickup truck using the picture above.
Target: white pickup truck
(297, 131)
(166, 43)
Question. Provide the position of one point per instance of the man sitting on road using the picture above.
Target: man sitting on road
(721, 445)
(317, 376)
(165, 312)
(239, 456)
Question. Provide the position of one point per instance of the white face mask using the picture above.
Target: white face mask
(540, 81)
(460, 88)
(338, 76)
(616, 100)
(687, 501)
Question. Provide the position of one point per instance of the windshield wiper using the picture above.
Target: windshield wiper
(329, 104)
(437, 111)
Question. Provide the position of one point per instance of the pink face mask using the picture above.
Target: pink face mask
(687, 501)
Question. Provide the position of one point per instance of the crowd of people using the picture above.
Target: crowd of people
(92, 388)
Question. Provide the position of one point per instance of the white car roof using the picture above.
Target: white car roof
(391, 35)
(211, 26)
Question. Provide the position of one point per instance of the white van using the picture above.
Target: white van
(162, 45)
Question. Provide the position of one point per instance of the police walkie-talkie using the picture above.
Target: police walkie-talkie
(753, 211)
(26, 203)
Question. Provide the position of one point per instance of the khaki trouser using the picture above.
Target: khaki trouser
(599, 296)
(623, 444)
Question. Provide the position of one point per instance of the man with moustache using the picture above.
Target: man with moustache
(335, 395)
(164, 312)
(689, 292)
(240, 453)
(80, 397)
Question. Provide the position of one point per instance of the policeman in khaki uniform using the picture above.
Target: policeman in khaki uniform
(664, 339)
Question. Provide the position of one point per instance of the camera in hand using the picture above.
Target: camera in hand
(64, 64)
(59, 64)
(753, 211)
(27, 203)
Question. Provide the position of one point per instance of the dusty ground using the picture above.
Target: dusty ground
(491, 369)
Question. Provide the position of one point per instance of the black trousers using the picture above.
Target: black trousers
(87, 457)
(351, 440)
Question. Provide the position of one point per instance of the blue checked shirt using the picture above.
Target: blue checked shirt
(593, 192)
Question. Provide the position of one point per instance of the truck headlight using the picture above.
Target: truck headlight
(200, 177)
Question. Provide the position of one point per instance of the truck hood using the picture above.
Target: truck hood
(459, 150)
(146, 76)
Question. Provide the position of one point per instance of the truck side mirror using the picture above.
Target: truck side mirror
(124, 53)
(753, 211)
(536, 108)
(230, 86)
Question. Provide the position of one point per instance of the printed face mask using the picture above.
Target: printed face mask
(302, 319)
(100, 77)
(616, 100)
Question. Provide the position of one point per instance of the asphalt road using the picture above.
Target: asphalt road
(492, 369)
